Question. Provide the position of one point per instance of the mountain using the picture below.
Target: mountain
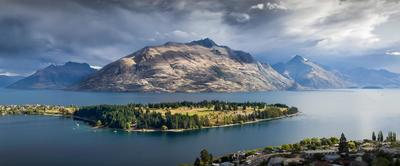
(364, 77)
(309, 74)
(8, 80)
(55, 77)
(198, 66)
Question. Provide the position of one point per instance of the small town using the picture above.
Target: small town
(36, 109)
(376, 151)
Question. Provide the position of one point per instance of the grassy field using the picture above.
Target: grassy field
(215, 117)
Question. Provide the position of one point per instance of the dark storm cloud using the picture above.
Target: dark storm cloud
(35, 33)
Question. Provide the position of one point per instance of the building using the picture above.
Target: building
(312, 153)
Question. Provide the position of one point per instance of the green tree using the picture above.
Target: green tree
(352, 145)
(163, 127)
(334, 140)
(197, 162)
(391, 137)
(373, 136)
(343, 144)
(380, 161)
(98, 123)
(380, 136)
(286, 147)
(206, 158)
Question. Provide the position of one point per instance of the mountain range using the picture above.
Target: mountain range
(310, 74)
(55, 77)
(202, 66)
(6, 80)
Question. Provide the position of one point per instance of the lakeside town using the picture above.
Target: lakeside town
(37, 109)
(376, 151)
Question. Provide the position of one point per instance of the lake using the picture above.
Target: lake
(43, 140)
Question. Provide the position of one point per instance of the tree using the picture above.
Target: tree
(391, 137)
(286, 147)
(163, 127)
(380, 136)
(197, 162)
(343, 144)
(334, 140)
(380, 161)
(98, 123)
(373, 136)
(205, 158)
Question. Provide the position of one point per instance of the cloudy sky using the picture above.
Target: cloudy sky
(36, 33)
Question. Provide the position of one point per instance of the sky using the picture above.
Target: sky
(343, 33)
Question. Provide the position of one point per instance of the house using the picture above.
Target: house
(226, 164)
(331, 157)
(312, 153)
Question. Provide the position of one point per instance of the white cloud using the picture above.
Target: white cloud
(9, 74)
(272, 6)
(180, 34)
(95, 67)
(394, 53)
(337, 28)
(259, 6)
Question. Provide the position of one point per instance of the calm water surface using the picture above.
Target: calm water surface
(42, 140)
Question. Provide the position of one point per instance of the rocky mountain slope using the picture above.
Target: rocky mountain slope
(198, 66)
(309, 74)
(55, 77)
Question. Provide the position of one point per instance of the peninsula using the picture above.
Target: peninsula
(176, 116)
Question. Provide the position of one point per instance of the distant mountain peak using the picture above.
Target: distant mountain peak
(207, 42)
(55, 76)
(72, 63)
(310, 74)
(298, 58)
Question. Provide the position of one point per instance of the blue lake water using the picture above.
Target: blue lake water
(43, 140)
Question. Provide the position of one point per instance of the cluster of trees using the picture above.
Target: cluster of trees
(206, 159)
(390, 138)
(309, 143)
(234, 106)
(141, 117)
(215, 104)
(381, 159)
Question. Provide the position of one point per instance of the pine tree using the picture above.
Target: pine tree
(391, 137)
(394, 137)
(380, 136)
(343, 144)
(197, 162)
(205, 158)
(373, 136)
